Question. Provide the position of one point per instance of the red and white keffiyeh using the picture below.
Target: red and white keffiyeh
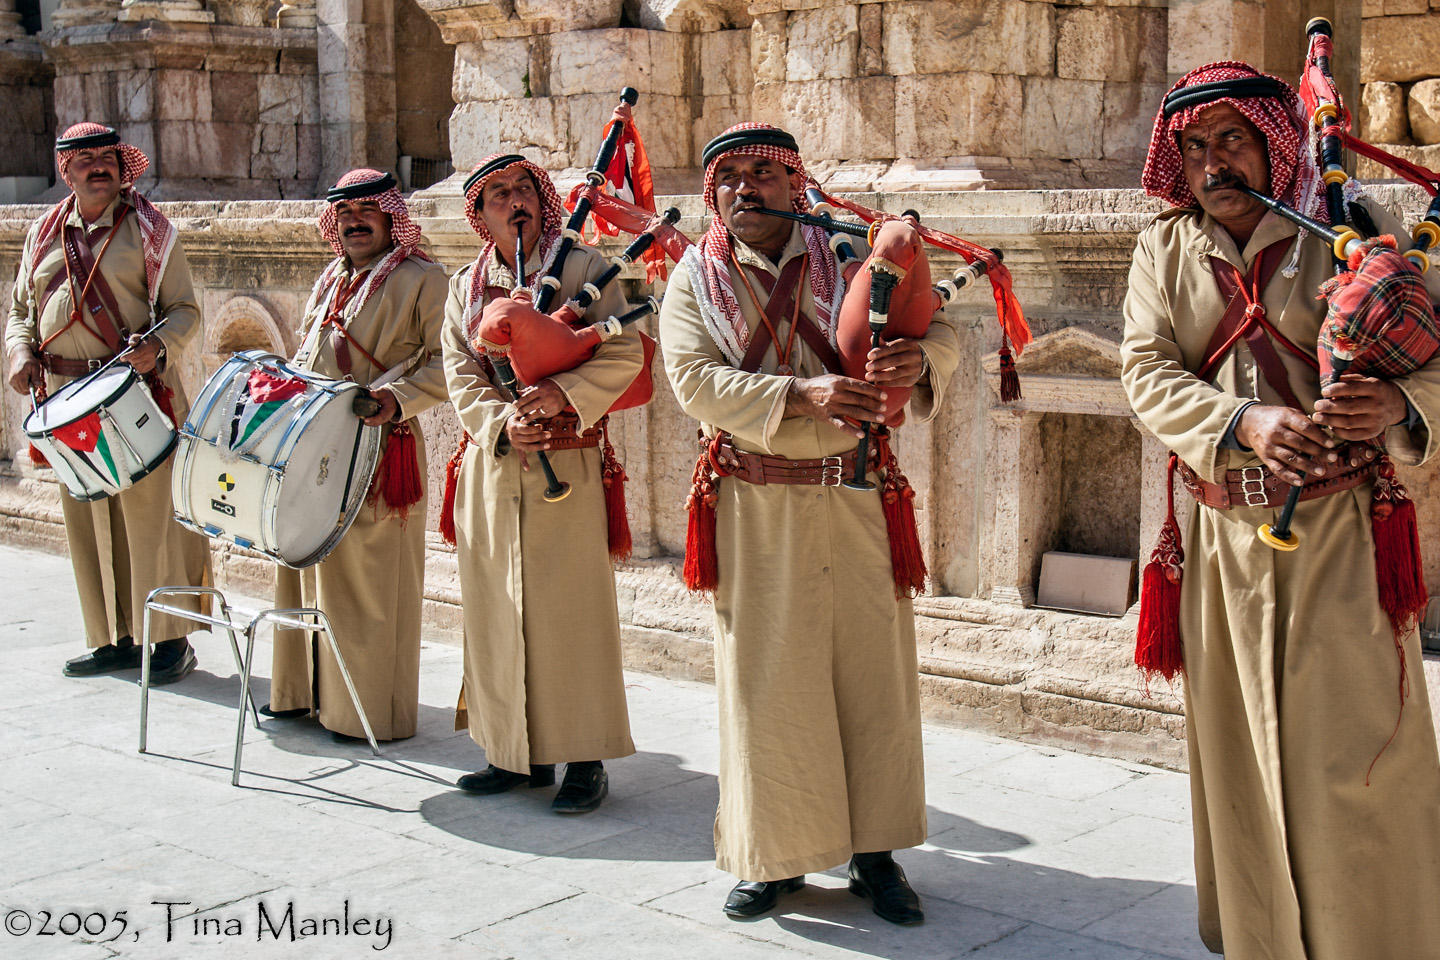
(552, 215)
(710, 258)
(404, 232)
(157, 233)
(1294, 179)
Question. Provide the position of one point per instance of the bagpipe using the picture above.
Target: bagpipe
(1379, 322)
(526, 341)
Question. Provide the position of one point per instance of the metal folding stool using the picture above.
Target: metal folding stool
(231, 620)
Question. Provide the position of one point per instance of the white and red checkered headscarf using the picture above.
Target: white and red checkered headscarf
(157, 233)
(552, 215)
(711, 256)
(364, 184)
(1294, 179)
(367, 184)
(133, 161)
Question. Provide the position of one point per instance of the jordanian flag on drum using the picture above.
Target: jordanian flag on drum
(265, 394)
(87, 439)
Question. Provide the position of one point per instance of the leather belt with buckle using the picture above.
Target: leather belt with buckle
(760, 469)
(1258, 487)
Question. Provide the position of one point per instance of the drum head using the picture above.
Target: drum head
(80, 398)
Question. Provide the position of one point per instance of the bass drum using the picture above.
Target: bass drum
(274, 459)
(101, 433)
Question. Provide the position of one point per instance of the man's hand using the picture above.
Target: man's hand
(25, 370)
(1291, 444)
(388, 408)
(142, 353)
(526, 435)
(832, 397)
(1359, 408)
(895, 364)
(540, 401)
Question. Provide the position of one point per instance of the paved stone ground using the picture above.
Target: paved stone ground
(1034, 854)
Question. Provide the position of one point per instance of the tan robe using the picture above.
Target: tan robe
(543, 681)
(1292, 676)
(372, 585)
(815, 661)
(123, 546)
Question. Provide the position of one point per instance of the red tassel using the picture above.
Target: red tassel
(452, 482)
(613, 476)
(164, 396)
(702, 560)
(38, 458)
(907, 559)
(1398, 569)
(1009, 377)
(1158, 649)
(398, 479)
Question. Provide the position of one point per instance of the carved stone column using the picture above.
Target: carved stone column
(10, 20)
(1018, 471)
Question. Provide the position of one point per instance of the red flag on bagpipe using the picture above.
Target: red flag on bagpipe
(627, 179)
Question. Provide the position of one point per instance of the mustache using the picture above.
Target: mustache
(99, 175)
(1223, 181)
(519, 217)
(357, 230)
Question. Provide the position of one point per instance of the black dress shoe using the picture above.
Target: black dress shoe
(494, 780)
(171, 660)
(585, 785)
(751, 898)
(884, 883)
(106, 659)
(285, 714)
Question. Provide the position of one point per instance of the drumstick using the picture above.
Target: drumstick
(364, 404)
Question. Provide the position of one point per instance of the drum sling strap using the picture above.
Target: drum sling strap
(93, 296)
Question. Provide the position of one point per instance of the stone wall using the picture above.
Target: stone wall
(998, 484)
(1400, 69)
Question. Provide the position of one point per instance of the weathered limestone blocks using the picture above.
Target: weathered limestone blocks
(1424, 110)
(1383, 113)
(1400, 48)
(222, 111)
(693, 16)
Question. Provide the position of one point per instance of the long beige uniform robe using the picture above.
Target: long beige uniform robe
(123, 546)
(1292, 677)
(371, 586)
(815, 660)
(543, 681)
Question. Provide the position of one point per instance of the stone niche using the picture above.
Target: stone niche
(1070, 466)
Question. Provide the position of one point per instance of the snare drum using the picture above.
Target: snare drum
(102, 433)
(273, 458)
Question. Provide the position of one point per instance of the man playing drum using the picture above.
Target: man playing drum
(815, 662)
(97, 271)
(1314, 840)
(543, 682)
(378, 305)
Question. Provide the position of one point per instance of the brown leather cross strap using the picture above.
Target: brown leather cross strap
(778, 308)
(341, 338)
(1245, 317)
(94, 297)
(1258, 487)
(760, 469)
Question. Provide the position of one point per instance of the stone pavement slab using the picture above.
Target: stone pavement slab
(327, 851)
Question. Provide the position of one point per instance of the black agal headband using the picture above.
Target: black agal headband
(89, 141)
(357, 191)
(499, 163)
(1239, 89)
(738, 139)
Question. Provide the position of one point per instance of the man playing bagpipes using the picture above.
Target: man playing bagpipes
(97, 271)
(543, 682)
(378, 305)
(1316, 815)
(815, 657)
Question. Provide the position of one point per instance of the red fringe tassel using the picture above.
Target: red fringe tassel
(398, 479)
(164, 396)
(38, 458)
(1158, 649)
(1399, 573)
(907, 559)
(612, 473)
(702, 560)
(1009, 377)
(452, 482)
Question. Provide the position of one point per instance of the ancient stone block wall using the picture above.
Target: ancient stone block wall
(1400, 70)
